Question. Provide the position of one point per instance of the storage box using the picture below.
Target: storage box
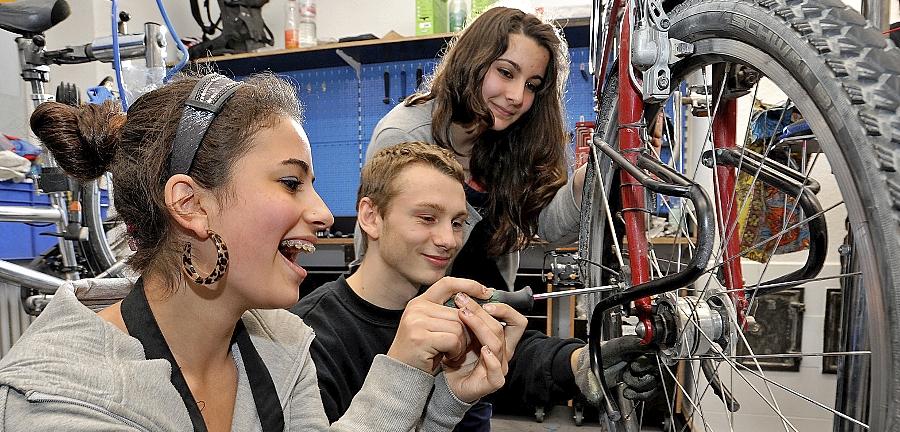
(20, 241)
(431, 17)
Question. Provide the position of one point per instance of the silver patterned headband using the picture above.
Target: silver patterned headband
(202, 106)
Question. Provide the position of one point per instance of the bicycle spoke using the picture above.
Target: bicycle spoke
(703, 394)
(684, 392)
(768, 381)
(758, 244)
(804, 397)
(605, 200)
(670, 404)
(786, 355)
(788, 216)
(773, 404)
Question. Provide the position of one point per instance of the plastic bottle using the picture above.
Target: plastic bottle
(307, 23)
(291, 24)
(457, 10)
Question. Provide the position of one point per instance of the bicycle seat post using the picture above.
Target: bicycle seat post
(34, 69)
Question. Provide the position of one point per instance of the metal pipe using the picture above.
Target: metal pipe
(29, 278)
(878, 12)
(113, 270)
(130, 46)
(30, 214)
(724, 136)
(154, 45)
(631, 110)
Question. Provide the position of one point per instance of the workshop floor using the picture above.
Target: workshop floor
(559, 420)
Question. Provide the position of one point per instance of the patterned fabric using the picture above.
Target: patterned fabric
(768, 210)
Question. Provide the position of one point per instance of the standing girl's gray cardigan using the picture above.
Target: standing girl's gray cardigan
(73, 371)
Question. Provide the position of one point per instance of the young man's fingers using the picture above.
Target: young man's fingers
(453, 326)
(447, 343)
(493, 368)
(445, 288)
(484, 327)
(428, 310)
(516, 323)
(504, 312)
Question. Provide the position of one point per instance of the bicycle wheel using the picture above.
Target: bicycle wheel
(840, 76)
(97, 250)
(97, 255)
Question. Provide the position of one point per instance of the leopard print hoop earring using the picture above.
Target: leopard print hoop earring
(187, 264)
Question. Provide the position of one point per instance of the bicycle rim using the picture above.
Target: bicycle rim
(96, 249)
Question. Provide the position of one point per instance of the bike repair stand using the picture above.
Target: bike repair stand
(51, 180)
(561, 275)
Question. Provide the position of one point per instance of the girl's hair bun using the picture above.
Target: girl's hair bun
(83, 139)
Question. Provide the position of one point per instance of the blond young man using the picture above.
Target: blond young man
(411, 208)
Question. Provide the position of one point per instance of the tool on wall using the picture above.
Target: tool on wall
(419, 75)
(402, 86)
(387, 87)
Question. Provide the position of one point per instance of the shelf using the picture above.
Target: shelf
(336, 241)
(365, 52)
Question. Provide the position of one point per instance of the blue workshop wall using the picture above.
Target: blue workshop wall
(340, 112)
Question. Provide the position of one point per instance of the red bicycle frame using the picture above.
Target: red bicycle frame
(630, 121)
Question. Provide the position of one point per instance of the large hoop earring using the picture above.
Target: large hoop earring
(187, 264)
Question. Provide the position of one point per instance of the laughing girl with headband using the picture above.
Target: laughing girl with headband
(214, 179)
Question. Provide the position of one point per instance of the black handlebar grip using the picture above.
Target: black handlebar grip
(521, 300)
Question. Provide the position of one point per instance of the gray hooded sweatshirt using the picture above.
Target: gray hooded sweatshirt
(73, 371)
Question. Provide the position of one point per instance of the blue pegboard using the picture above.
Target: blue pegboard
(579, 88)
(331, 110)
(373, 94)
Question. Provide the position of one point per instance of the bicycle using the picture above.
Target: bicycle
(83, 249)
(650, 60)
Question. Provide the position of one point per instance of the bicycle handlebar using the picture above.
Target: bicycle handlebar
(679, 186)
(149, 45)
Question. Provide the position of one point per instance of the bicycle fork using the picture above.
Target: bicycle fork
(708, 324)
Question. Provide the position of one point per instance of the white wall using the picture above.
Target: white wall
(90, 18)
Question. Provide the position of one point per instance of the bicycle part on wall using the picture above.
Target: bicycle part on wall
(243, 29)
(844, 81)
(777, 329)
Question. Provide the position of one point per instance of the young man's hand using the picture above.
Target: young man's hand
(483, 370)
(430, 332)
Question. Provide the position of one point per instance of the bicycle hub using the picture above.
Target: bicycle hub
(689, 326)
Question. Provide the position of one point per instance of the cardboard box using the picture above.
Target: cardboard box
(431, 17)
(479, 6)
